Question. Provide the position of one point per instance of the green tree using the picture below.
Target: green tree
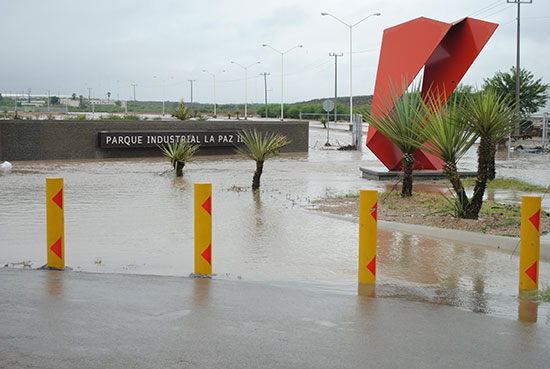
(533, 93)
(489, 115)
(400, 125)
(260, 147)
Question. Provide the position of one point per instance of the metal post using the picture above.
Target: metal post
(350, 26)
(191, 80)
(282, 113)
(215, 113)
(282, 72)
(203, 228)
(368, 235)
(55, 223)
(328, 129)
(265, 74)
(48, 101)
(518, 69)
(357, 131)
(350, 77)
(336, 55)
(544, 130)
(530, 243)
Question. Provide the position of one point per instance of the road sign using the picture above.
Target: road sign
(328, 105)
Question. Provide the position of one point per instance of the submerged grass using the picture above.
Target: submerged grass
(541, 295)
(506, 184)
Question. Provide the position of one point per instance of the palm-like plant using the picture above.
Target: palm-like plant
(448, 137)
(180, 153)
(260, 147)
(490, 116)
(182, 112)
(397, 120)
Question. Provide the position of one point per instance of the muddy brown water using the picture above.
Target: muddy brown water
(134, 216)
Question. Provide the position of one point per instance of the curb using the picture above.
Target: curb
(463, 237)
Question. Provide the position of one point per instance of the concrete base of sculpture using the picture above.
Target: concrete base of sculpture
(382, 174)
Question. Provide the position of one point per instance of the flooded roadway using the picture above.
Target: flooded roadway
(132, 216)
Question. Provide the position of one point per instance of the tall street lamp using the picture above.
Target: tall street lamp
(245, 85)
(282, 53)
(214, 77)
(350, 57)
(163, 92)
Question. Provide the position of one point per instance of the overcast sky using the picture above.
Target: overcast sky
(69, 46)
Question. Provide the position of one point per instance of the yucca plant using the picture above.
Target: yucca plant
(182, 112)
(260, 147)
(179, 153)
(397, 120)
(448, 137)
(490, 116)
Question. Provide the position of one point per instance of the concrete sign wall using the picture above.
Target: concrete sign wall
(55, 139)
(131, 139)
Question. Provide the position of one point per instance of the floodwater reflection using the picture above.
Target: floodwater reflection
(54, 283)
(527, 309)
(201, 292)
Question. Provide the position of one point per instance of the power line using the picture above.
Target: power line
(498, 11)
(486, 8)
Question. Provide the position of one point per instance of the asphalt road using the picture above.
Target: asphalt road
(52, 319)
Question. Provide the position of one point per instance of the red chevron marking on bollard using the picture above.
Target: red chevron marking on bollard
(58, 199)
(374, 211)
(535, 219)
(56, 248)
(207, 205)
(207, 254)
(372, 266)
(532, 272)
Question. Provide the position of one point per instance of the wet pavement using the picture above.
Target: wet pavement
(132, 216)
(58, 320)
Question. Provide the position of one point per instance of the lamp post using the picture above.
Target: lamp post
(518, 69)
(245, 85)
(214, 77)
(163, 92)
(350, 57)
(282, 54)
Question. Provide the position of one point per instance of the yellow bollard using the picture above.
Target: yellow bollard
(203, 228)
(530, 243)
(55, 223)
(368, 235)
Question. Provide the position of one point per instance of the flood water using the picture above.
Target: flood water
(134, 216)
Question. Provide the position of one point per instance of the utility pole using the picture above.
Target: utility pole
(191, 81)
(518, 70)
(134, 84)
(29, 95)
(265, 74)
(336, 55)
(48, 101)
(89, 93)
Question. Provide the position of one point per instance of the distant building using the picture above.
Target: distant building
(68, 101)
(32, 103)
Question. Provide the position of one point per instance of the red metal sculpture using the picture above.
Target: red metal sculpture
(445, 50)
